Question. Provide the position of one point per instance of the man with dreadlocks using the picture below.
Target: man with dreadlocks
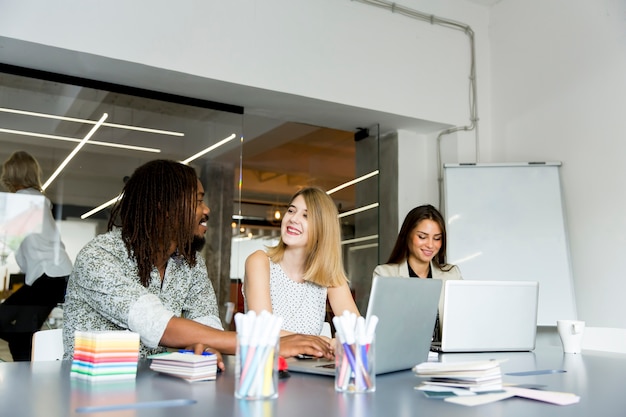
(145, 275)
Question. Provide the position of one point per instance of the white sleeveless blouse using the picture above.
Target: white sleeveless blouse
(301, 305)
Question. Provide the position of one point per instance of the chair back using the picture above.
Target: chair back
(47, 345)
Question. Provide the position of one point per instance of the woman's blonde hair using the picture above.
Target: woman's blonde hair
(21, 170)
(323, 265)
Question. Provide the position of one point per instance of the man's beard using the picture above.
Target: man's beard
(198, 243)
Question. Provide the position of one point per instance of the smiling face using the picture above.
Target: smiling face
(425, 241)
(294, 227)
(202, 218)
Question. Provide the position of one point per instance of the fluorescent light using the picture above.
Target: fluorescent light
(75, 151)
(186, 161)
(352, 182)
(358, 210)
(67, 139)
(101, 207)
(361, 247)
(359, 239)
(209, 149)
(76, 120)
(467, 258)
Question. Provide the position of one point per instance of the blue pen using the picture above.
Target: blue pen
(177, 402)
(191, 352)
(537, 372)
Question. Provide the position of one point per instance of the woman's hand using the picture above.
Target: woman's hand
(297, 344)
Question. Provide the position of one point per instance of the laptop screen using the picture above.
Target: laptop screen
(484, 316)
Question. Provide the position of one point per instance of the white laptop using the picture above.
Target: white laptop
(489, 316)
(406, 309)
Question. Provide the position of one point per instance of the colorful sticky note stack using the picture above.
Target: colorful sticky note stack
(105, 355)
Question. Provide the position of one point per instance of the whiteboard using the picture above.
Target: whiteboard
(506, 222)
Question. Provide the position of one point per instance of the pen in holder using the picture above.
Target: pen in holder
(256, 366)
(355, 367)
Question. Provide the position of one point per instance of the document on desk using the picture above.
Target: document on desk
(480, 399)
(552, 397)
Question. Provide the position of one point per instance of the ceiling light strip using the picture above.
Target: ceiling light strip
(209, 149)
(87, 121)
(359, 239)
(101, 207)
(75, 151)
(68, 139)
(361, 247)
(186, 161)
(354, 181)
(358, 210)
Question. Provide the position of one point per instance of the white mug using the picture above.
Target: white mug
(571, 334)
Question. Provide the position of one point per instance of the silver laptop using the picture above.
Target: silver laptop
(489, 316)
(406, 309)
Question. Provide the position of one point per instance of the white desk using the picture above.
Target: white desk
(45, 389)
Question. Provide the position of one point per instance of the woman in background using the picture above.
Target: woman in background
(420, 252)
(294, 278)
(41, 257)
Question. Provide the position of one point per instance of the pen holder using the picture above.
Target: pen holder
(355, 367)
(256, 370)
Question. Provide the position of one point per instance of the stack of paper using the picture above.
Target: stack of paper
(105, 355)
(473, 376)
(186, 365)
(462, 382)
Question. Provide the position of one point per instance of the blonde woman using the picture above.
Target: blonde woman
(294, 278)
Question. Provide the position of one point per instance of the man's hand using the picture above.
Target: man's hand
(199, 349)
(296, 344)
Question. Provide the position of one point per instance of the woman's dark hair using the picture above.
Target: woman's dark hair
(400, 250)
(157, 208)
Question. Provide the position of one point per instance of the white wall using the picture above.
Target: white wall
(550, 80)
(76, 234)
(417, 172)
(241, 249)
(559, 93)
(339, 51)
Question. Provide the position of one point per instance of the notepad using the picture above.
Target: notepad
(187, 366)
(105, 355)
(474, 376)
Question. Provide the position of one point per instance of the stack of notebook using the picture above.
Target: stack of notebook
(474, 376)
(105, 355)
(186, 365)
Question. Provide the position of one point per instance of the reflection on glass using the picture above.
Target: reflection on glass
(48, 117)
(20, 215)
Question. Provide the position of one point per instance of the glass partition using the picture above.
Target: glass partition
(289, 156)
(249, 174)
(50, 117)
